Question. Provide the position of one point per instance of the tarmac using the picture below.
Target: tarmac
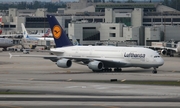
(27, 82)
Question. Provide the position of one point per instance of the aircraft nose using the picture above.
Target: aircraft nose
(160, 61)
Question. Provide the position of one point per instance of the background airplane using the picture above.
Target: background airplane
(4, 43)
(169, 51)
(34, 36)
(47, 33)
(97, 58)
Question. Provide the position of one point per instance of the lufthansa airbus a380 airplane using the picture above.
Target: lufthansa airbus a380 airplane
(98, 58)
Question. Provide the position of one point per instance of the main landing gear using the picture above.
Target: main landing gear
(117, 69)
(4, 49)
(171, 53)
(154, 71)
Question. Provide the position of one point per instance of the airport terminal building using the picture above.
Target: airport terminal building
(96, 21)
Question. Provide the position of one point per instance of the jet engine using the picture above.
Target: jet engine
(64, 63)
(163, 52)
(95, 65)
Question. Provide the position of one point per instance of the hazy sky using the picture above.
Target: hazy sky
(67, 0)
(32, 0)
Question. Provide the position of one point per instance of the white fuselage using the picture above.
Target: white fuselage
(38, 37)
(178, 47)
(46, 38)
(132, 56)
(4, 42)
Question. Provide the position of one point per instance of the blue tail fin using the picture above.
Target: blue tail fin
(59, 35)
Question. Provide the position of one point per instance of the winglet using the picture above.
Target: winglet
(10, 55)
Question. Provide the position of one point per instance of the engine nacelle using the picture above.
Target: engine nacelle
(64, 63)
(95, 65)
(163, 52)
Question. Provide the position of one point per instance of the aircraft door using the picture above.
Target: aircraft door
(91, 51)
(178, 47)
(77, 50)
(121, 53)
(74, 51)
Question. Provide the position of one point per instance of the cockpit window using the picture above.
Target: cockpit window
(156, 56)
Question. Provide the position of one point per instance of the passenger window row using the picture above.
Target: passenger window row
(156, 56)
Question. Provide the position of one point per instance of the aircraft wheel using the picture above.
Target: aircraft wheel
(94, 70)
(172, 55)
(117, 69)
(154, 71)
(97, 70)
(4, 49)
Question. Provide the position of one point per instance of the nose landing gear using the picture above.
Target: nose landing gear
(154, 71)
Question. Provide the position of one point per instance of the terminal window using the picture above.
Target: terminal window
(126, 21)
(5, 26)
(90, 34)
(157, 20)
(146, 20)
(41, 19)
(89, 28)
(176, 19)
(112, 34)
(98, 20)
(90, 20)
(112, 28)
(166, 19)
(12, 26)
(37, 25)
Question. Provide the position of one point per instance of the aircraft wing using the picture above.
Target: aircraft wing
(160, 48)
(106, 61)
(53, 58)
(173, 49)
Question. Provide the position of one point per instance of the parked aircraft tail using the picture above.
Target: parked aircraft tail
(25, 33)
(59, 35)
(74, 40)
(47, 33)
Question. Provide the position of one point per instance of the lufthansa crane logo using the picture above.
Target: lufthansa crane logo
(57, 31)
